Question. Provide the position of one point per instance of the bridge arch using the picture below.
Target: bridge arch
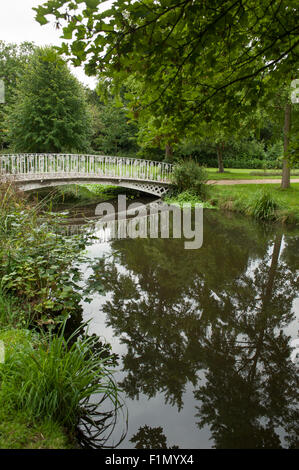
(35, 171)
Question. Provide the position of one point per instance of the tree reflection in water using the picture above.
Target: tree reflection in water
(150, 438)
(222, 311)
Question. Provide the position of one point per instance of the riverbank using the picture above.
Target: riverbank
(18, 428)
(47, 373)
(262, 201)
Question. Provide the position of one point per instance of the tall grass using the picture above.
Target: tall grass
(263, 205)
(57, 379)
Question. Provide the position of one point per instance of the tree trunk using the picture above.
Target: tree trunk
(220, 148)
(168, 152)
(285, 182)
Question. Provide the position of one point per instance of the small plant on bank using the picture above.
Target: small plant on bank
(189, 176)
(264, 205)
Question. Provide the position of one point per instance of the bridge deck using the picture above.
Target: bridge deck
(31, 171)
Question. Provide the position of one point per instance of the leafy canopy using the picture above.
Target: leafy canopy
(182, 50)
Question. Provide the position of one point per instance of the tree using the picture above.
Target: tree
(13, 59)
(113, 132)
(277, 107)
(184, 54)
(49, 113)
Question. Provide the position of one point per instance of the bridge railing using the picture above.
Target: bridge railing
(23, 166)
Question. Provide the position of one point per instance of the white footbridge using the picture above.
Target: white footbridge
(34, 171)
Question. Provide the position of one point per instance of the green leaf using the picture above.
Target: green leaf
(92, 3)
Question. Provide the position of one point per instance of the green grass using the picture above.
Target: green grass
(237, 173)
(263, 201)
(80, 194)
(18, 428)
(54, 378)
(17, 431)
(237, 197)
(187, 197)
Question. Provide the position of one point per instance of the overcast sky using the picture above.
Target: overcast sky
(17, 24)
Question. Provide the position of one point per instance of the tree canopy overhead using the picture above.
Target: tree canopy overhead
(185, 52)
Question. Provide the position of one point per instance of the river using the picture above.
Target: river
(203, 336)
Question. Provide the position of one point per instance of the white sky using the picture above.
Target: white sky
(17, 24)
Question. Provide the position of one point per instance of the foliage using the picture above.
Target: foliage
(37, 264)
(113, 133)
(49, 113)
(57, 378)
(12, 313)
(13, 59)
(186, 71)
(47, 379)
(263, 205)
(237, 153)
(189, 176)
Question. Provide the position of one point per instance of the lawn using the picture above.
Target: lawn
(242, 174)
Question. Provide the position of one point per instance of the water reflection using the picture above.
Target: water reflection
(150, 438)
(219, 318)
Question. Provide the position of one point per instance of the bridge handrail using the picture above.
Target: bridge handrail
(49, 165)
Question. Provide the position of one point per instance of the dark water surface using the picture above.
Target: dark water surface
(203, 336)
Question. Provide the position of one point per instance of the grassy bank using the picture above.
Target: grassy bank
(281, 204)
(265, 202)
(18, 428)
(46, 375)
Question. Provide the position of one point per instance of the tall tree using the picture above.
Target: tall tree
(185, 54)
(49, 113)
(13, 59)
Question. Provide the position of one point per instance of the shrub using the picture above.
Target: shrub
(189, 176)
(36, 264)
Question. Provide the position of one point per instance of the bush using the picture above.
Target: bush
(37, 265)
(12, 313)
(189, 176)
